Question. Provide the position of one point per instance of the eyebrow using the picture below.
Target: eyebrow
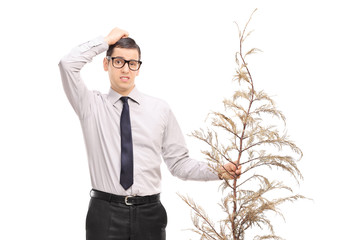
(125, 59)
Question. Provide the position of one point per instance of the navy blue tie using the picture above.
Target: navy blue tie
(127, 164)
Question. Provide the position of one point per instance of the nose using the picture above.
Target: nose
(125, 68)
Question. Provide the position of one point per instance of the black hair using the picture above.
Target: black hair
(128, 43)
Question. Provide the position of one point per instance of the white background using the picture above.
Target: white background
(310, 65)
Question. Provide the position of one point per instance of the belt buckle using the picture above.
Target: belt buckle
(126, 201)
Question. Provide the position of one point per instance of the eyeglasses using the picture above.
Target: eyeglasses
(119, 62)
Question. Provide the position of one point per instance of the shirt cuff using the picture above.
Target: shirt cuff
(96, 42)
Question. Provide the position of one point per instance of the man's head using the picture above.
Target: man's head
(127, 43)
(122, 62)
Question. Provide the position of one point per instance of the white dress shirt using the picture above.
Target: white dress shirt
(155, 131)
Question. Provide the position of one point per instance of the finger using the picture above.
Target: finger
(125, 34)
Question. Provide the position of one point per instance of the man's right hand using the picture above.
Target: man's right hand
(115, 35)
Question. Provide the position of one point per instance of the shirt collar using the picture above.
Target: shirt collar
(134, 95)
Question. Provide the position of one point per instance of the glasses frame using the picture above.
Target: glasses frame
(125, 62)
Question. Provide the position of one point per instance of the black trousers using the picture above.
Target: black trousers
(116, 221)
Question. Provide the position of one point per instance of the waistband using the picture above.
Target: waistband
(127, 200)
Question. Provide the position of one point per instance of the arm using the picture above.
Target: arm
(71, 64)
(176, 157)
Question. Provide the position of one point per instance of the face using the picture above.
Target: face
(122, 80)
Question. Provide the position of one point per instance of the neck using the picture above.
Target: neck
(123, 92)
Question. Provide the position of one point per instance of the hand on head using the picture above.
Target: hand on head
(115, 35)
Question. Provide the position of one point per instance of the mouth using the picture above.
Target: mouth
(124, 79)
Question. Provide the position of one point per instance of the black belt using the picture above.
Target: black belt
(128, 200)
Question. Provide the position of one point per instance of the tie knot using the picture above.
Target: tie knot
(124, 99)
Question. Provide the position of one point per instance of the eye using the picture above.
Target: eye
(133, 63)
(118, 61)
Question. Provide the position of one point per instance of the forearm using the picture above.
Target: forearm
(82, 54)
(191, 169)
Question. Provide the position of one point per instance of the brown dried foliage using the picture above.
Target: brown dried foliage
(255, 145)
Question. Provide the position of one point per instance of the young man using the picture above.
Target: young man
(127, 134)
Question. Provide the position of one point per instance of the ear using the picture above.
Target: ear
(106, 64)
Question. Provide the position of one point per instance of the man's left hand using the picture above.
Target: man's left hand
(230, 171)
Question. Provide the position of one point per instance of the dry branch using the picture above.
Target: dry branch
(246, 200)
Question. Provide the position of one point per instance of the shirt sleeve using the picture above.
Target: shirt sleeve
(70, 65)
(176, 155)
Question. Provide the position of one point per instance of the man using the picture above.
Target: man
(127, 134)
